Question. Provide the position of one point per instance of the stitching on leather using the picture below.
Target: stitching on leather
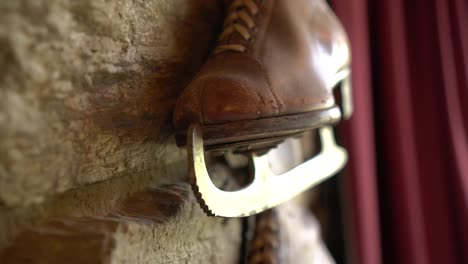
(256, 94)
(265, 75)
(267, 79)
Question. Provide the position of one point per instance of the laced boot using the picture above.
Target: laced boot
(271, 76)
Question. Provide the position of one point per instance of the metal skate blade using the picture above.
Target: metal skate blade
(344, 77)
(267, 189)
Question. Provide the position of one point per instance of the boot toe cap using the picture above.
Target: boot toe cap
(227, 100)
(210, 101)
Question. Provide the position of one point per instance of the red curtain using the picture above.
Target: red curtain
(408, 139)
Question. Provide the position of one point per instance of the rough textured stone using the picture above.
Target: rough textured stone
(82, 240)
(190, 237)
(87, 89)
(160, 225)
(87, 201)
(87, 155)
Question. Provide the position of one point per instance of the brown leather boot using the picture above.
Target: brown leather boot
(271, 75)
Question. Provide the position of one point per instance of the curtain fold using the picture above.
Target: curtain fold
(408, 138)
(359, 139)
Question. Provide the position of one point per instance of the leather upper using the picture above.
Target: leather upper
(288, 67)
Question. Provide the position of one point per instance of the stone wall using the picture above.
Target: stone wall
(89, 172)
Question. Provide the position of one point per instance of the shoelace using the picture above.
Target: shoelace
(239, 10)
